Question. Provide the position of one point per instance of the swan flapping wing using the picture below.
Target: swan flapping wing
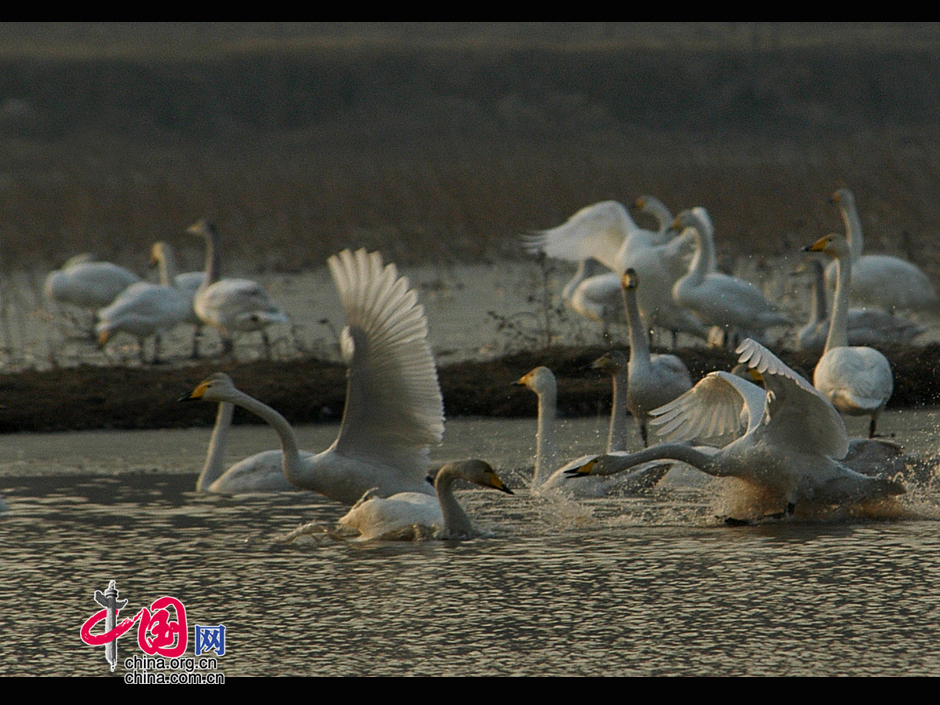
(796, 413)
(394, 408)
(711, 408)
(597, 231)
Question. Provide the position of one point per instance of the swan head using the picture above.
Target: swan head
(539, 380)
(477, 471)
(697, 218)
(843, 197)
(833, 244)
(630, 279)
(611, 362)
(202, 227)
(158, 252)
(217, 387)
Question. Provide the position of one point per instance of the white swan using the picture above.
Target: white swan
(86, 284)
(653, 380)
(606, 232)
(887, 282)
(594, 292)
(656, 208)
(262, 472)
(144, 310)
(788, 452)
(231, 305)
(865, 326)
(856, 379)
(410, 515)
(718, 299)
(548, 475)
(187, 283)
(394, 409)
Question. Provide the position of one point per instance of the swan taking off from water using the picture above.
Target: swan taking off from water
(231, 305)
(890, 283)
(789, 451)
(856, 379)
(394, 409)
(410, 515)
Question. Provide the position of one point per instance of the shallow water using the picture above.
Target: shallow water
(653, 585)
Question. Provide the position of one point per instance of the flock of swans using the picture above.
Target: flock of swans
(122, 302)
(789, 440)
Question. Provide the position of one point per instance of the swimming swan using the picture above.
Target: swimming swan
(230, 305)
(865, 326)
(856, 379)
(262, 472)
(888, 282)
(409, 515)
(652, 380)
(718, 299)
(789, 450)
(394, 408)
(548, 475)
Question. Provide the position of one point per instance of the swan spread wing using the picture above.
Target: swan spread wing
(795, 413)
(597, 231)
(394, 408)
(711, 408)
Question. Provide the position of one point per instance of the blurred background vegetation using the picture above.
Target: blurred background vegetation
(441, 142)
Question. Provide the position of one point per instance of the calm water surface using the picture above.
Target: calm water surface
(653, 585)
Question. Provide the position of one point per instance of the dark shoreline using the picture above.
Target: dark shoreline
(313, 391)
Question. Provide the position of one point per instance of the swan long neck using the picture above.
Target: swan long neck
(703, 257)
(213, 267)
(639, 341)
(853, 228)
(456, 521)
(617, 435)
(659, 211)
(215, 456)
(546, 444)
(166, 260)
(291, 461)
(819, 308)
(838, 327)
(683, 452)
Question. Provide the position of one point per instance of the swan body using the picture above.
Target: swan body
(856, 379)
(394, 408)
(719, 299)
(594, 292)
(789, 450)
(144, 310)
(262, 472)
(652, 380)
(411, 514)
(231, 305)
(187, 283)
(87, 284)
(549, 476)
(865, 326)
(889, 283)
(606, 232)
